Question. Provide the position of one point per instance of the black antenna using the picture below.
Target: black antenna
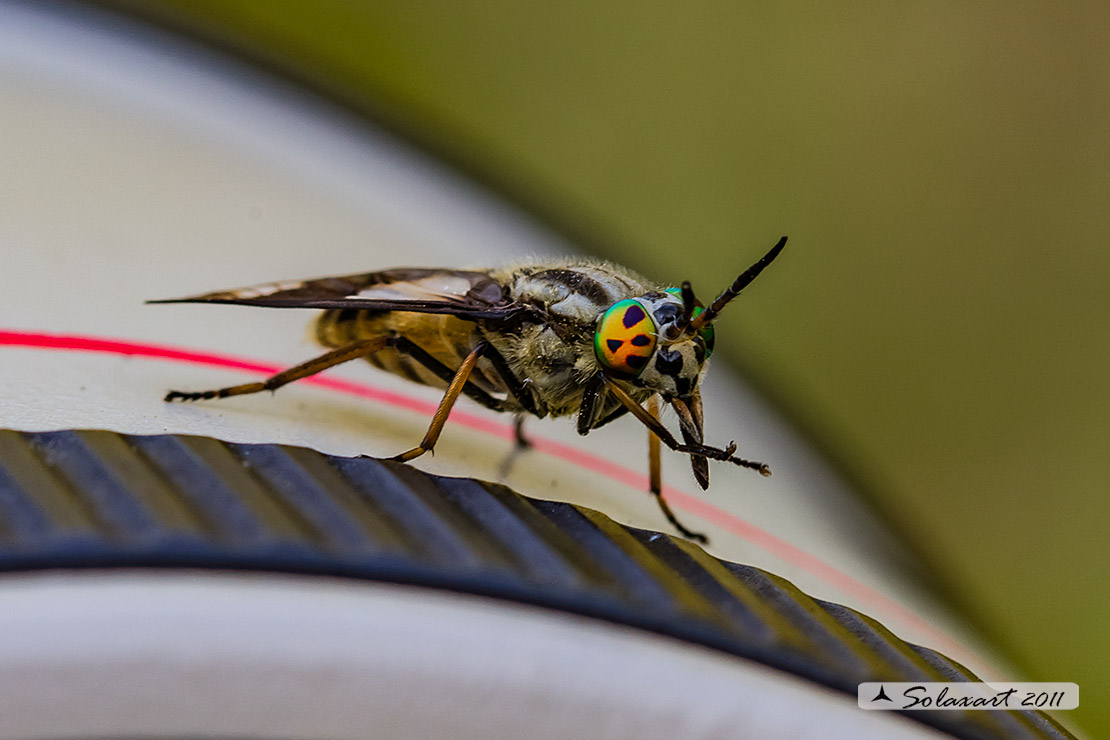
(738, 285)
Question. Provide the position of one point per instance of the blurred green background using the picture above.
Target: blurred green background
(939, 323)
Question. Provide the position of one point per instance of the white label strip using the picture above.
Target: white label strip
(963, 695)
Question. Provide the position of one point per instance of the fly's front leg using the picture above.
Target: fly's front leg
(449, 397)
(313, 366)
(655, 479)
(653, 424)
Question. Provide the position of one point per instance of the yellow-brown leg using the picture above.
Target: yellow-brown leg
(313, 366)
(652, 423)
(444, 410)
(655, 478)
(655, 464)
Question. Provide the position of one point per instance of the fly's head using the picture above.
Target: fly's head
(649, 341)
(656, 342)
(660, 341)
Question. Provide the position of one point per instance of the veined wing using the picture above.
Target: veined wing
(465, 293)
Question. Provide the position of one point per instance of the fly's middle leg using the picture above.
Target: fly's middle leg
(521, 443)
(449, 397)
(520, 439)
(458, 381)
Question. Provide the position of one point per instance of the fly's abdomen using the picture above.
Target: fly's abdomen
(446, 338)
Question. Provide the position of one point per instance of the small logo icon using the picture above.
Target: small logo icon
(882, 695)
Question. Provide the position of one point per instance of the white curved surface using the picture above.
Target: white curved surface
(191, 655)
(136, 169)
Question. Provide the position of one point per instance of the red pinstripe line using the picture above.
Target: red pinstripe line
(745, 530)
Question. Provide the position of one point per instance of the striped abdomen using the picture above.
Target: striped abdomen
(446, 338)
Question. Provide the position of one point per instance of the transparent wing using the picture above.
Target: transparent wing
(466, 293)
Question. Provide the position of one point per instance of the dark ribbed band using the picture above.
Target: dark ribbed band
(96, 499)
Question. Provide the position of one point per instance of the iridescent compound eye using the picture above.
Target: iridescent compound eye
(625, 338)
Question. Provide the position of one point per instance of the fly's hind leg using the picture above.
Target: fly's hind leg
(655, 478)
(458, 381)
(323, 362)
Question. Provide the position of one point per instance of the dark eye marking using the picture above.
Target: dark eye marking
(633, 316)
(682, 385)
(614, 344)
(635, 361)
(668, 362)
(640, 340)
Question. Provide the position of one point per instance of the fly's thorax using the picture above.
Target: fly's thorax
(573, 291)
(640, 340)
(548, 363)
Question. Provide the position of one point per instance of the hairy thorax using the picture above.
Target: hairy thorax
(554, 355)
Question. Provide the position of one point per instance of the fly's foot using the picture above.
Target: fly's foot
(186, 396)
(729, 451)
(725, 455)
(412, 454)
(670, 515)
(235, 390)
(689, 534)
(762, 468)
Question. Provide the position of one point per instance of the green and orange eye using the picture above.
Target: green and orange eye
(625, 338)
